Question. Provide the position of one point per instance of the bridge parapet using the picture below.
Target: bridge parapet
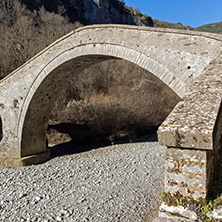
(193, 136)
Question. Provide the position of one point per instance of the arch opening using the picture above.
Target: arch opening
(39, 110)
(110, 102)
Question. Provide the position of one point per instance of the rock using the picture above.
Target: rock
(179, 210)
(58, 218)
(37, 198)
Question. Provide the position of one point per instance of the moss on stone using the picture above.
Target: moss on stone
(177, 215)
(201, 207)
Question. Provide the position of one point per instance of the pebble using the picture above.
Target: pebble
(115, 183)
(58, 218)
(37, 198)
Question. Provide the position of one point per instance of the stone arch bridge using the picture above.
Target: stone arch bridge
(188, 62)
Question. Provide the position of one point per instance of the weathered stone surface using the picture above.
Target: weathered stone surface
(25, 161)
(185, 213)
(167, 217)
(195, 126)
(188, 172)
(216, 214)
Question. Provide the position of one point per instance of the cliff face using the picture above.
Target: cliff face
(90, 11)
(106, 11)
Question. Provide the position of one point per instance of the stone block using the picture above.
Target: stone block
(25, 161)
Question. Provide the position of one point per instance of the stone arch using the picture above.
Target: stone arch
(45, 87)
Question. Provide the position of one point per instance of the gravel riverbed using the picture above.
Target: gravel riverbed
(115, 183)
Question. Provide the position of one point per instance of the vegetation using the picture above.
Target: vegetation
(213, 27)
(201, 207)
(139, 18)
(115, 100)
(19, 28)
(164, 24)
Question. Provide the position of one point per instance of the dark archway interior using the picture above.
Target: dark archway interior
(112, 102)
(217, 153)
(1, 131)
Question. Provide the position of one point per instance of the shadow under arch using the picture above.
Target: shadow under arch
(45, 89)
(217, 153)
(1, 129)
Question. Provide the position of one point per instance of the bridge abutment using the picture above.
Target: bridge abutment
(192, 134)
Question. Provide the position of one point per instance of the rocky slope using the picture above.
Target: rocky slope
(213, 27)
(92, 11)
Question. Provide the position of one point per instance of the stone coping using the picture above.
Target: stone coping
(191, 123)
(214, 36)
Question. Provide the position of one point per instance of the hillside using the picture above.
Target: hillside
(99, 12)
(92, 11)
(164, 24)
(213, 27)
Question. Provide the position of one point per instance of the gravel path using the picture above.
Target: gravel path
(115, 183)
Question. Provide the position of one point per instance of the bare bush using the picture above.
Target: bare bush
(10, 11)
(52, 26)
(19, 28)
(21, 39)
(115, 99)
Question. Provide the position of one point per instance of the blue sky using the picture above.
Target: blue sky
(188, 12)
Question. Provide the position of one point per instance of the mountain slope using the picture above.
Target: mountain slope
(213, 27)
(164, 24)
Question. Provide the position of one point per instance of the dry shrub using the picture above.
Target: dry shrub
(19, 28)
(115, 99)
(10, 11)
(52, 26)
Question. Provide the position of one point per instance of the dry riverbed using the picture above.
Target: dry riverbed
(115, 183)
